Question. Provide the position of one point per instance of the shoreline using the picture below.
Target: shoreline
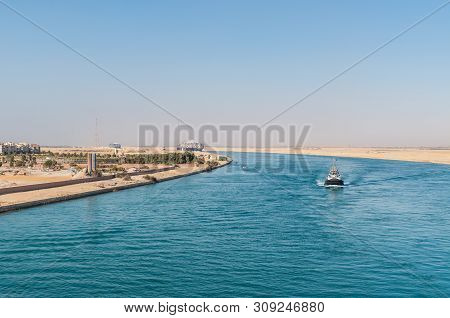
(95, 188)
(424, 155)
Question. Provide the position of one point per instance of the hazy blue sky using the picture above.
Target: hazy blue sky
(226, 62)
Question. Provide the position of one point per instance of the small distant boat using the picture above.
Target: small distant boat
(334, 177)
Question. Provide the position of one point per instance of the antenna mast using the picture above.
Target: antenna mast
(96, 133)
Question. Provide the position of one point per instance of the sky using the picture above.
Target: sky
(226, 62)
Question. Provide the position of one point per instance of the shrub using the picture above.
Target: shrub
(200, 160)
(213, 163)
(50, 164)
(20, 163)
(126, 178)
(97, 173)
(115, 168)
(11, 161)
(208, 168)
(150, 178)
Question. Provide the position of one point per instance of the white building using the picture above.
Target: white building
(115, 145)
(9, 148)
(191, 145)
(35, 148)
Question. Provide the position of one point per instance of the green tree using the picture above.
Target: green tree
(50, 164)
(19, 163)
(11, 161)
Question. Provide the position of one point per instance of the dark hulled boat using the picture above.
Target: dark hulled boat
(334, 177)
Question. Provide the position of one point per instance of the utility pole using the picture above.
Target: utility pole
(97, 141)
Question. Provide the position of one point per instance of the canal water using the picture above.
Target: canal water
(262, 227)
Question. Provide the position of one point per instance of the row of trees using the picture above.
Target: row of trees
(27, 161)
(75, 155)
(23, 161)
(142, 159)
(166, 158)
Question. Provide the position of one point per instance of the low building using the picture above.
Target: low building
(191, 145)
(115, 145)
(9, 148)
(23, 148)
(35, 149)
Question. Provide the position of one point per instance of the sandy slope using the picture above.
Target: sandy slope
(68, 192)
(433, 155)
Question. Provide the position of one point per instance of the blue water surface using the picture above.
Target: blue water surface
(263, 227)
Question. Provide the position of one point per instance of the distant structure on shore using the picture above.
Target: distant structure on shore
(191, 145)
(9, 148)
(91, 163)
(115, 145)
